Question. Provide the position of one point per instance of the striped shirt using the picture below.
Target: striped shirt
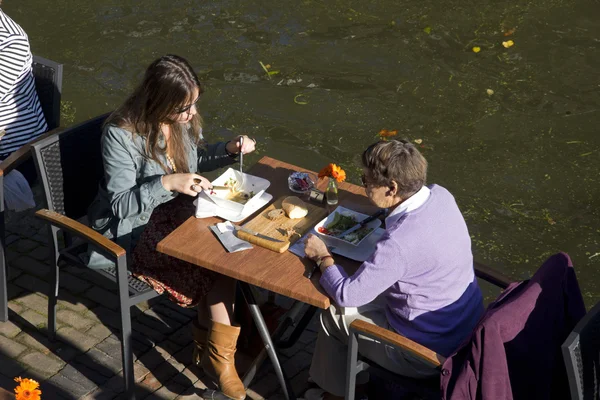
(21, 115)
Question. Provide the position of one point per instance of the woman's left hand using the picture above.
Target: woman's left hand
(248, 145)
(315, 248)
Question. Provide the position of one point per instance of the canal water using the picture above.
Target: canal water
(510, 130)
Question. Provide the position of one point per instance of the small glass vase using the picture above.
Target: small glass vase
(331, 193)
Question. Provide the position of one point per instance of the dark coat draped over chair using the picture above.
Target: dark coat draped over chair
(514, 353)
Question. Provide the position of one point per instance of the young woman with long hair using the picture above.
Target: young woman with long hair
(153, 151)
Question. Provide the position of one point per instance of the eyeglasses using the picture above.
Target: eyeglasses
(188, 107)
(363, 180)
(365, 183)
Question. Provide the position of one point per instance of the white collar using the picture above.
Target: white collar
(412, 203)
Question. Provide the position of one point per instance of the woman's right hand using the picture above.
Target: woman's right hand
(190, 184)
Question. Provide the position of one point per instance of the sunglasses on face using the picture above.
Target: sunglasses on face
(188, 107)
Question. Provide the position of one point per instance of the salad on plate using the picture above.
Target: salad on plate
(342, 222)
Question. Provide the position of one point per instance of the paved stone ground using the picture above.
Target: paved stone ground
(85, 360)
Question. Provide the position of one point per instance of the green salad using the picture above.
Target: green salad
(341, 223)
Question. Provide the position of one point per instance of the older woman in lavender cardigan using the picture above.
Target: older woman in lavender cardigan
(419, 282)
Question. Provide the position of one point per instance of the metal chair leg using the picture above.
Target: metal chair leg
(351, 366)
(266, 338)
(3, 263)
(125, 309)
(3, 289)
(52, 301)
(54, 284)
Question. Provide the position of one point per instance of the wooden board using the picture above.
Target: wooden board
(277, 229)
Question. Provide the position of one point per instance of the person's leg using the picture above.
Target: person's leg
(328, 367)
(218, 359)
(220, 300)
(27, 168)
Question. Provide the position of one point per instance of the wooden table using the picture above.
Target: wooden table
(284, 273)
(6, 395)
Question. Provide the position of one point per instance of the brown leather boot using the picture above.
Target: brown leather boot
(200, 337)
(218, 360)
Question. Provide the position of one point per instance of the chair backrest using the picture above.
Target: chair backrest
(581, 352)
(48, 85)
(69, 164)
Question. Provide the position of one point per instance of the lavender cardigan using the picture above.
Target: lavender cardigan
(424, 267)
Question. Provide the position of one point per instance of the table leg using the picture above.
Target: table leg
(266, 338)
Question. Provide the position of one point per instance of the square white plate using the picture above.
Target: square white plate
(376, 223)
(250, 183)
(358, 253)
(206, 208)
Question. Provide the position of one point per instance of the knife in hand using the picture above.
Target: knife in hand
(254, 233)
(361, 223)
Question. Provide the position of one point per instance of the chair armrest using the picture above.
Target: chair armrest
(79, 229)
(376, 332)
(490, 275)
(21, 155)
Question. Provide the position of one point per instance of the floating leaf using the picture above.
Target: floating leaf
(574, 142)
(418, 141)
(476, 49)
(490, 92)
(268, 66)
(427, 30)
(508, 43)
(510, 31)
(384, 134)
(265, 68)
(301, 102)
(586, 154)
(273, 72)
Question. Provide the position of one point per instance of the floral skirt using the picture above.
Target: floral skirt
(184, 283)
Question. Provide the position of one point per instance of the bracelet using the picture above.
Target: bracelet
(321, 259)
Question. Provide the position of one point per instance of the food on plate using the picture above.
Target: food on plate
(231, 184)
(275, 214)
(234, 193)
(240, 197)
(341, 223)
(294, 207)
(300, 182)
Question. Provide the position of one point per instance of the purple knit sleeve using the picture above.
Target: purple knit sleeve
(382, 270)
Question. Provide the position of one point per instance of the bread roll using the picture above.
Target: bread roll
(294, 207)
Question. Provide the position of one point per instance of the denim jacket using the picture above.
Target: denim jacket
(132, 186)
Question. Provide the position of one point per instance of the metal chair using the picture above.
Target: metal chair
(48, 84)
(70, 167)
(581, 353)
(384, 336)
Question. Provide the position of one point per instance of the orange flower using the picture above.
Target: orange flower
(333, 171)
(384, 133)
(27, 389)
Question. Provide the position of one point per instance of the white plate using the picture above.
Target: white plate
(376, 223)
(206, 208)
(358, 253)
(250, 183)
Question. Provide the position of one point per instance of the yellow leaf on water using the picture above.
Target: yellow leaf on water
(418, 141)
(490, 92)
(508, 43)
(476, 49)
(427, 30)
(268, 66)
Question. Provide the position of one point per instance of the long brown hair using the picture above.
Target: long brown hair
(167, 87)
